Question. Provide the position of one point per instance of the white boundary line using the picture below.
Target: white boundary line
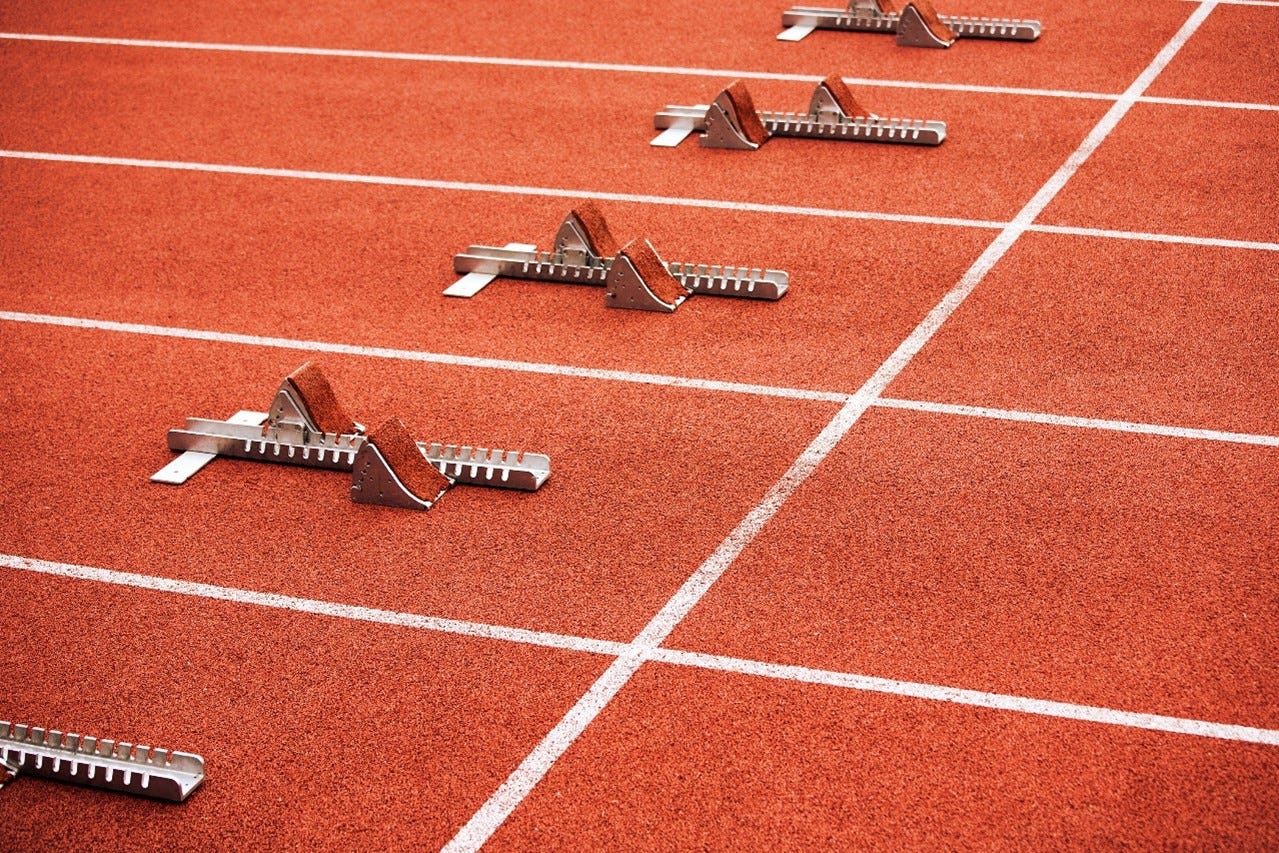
(1078, 422)
(318, 608)
(430, 357)
(541, 63)
(502, 61)
(981, 699)
(501, 189)
(658, 379)
(673, 201)
(494, 812)
(721, 663)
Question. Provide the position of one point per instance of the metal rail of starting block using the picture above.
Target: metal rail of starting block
(99, 762)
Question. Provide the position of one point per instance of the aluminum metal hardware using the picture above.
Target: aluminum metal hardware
(824, 120)
(99, 762)
(288, 434)
(908, 24)
(574, 261)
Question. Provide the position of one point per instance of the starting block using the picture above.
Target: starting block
(306, 426)
(99, 763)
(915, 23)
(634, 276)
(731, 121)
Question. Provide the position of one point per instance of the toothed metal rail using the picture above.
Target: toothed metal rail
(295, 445)
(100, 763)
(903, 131)
(808, 18)
(557, 267)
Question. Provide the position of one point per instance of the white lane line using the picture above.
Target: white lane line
(1147, 237)
(657, 379)
(494, 812)
(622, 68)
(1212, 105)
(672, 201)
(501, 189)
(428, 357)
(981, 699)
(1078, 422)
(318, 608)
(547, 64)
(632, 655)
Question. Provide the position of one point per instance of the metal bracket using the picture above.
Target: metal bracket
(373, 482)
(100, 763)
(722, 131)
(867, 16)
(824, 120)
(573, 261)
(628, 289)
(914, 31)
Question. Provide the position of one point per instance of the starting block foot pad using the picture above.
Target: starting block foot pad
(733, 122)
(640, 279)
(584, 230)
(390, 470)
(919, 25)
(306, 398)
(833, 97)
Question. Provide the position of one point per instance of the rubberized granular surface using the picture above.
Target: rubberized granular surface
(966, 542)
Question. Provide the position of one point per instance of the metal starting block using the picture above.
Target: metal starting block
(731, 121)
(306, 426)
(916, 23)
(634, 276)
(100, 763)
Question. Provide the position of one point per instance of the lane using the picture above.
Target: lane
(1075, 52)
(516, 126)
(1131, 331)
(1210, 176)
(1117, 570)
(688, 759)
(645, 481)
(1232, 58)
(367, 265)
(315, 731)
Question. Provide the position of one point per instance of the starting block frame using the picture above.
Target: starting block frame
(288, 434)
(826, 118)
(98, 762)
(909, 24)
(577, 259)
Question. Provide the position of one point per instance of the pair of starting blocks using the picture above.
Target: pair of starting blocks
(916, 23)
(731, 121)
(97, 762)
(633, 275)
(306, 426)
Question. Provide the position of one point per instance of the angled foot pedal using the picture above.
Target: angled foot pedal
(833, 113)
(585, 252)
(99, 763)
(639, 279)
(916, 23)
(297, 431)
(389, 469)
(732, 122)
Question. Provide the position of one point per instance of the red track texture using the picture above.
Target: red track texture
(1061, 488)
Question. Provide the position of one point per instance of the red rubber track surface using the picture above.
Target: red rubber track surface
(1026, 598)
